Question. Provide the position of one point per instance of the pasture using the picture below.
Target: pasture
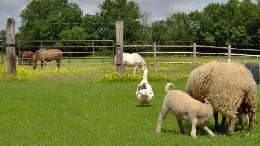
(83, 104)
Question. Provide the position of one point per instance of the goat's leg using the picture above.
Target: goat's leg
(231, 127)
(212, 134)
(193, 128)
(181, 130)
(162, 115)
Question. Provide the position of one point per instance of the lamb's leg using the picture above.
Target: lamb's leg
(212, 134)
(162, 115)
(247, 119)
(193, 129)
(181, 130)
(231, 127)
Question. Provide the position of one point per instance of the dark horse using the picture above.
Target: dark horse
(47, 55)
(25, 57)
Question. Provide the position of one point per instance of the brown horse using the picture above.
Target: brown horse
(25, 57)
(47, 55)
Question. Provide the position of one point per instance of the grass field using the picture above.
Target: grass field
(72, 106)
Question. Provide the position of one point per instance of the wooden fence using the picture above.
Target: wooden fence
(194, 52)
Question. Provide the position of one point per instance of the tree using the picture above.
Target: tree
(76, 33)
(146, 21)
(2, 34)
(45, 19)
(128, 12)
(92, 25)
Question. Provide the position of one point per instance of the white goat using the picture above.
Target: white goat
(184, 107)
(144, 91)
(133, 59)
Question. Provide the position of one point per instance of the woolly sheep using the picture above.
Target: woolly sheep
(229, 87)
(185, 107)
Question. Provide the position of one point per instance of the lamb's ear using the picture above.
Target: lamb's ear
(206, 100)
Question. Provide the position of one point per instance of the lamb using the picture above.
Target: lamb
(229, 87)
(185, 107)
(144, 91)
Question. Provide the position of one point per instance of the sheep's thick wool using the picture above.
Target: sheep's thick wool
(226, 85)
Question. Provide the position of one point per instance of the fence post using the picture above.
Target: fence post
(194, 55)
(154, 56)
(119, 47)
(229, 53)
(93, 49)
(10, 47)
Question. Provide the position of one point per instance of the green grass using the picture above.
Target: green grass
(70, 107)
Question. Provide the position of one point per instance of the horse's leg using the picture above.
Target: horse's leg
(58, 63)
(135, 69)
(41, 63)
(45, 64)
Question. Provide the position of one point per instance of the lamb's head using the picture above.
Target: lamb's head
(208, 104)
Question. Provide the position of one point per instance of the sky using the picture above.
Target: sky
(159, 9)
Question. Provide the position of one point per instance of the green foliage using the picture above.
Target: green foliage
(92, 25)
(235, 23)
(45, 19)
(115, 77)
(128, 12)
(218, 24)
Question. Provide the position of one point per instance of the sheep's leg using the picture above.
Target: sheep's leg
(135, 69)
(212, 134)
(181, 130)
(222, 123)
(160, 119)
(241, 121)
(215, 114)
(231, 127)
(251, 116)
(193, 129)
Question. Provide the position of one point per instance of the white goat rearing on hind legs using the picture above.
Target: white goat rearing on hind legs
(144, 91)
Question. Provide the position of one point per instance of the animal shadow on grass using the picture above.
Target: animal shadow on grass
(143, 105)
(224, 129)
